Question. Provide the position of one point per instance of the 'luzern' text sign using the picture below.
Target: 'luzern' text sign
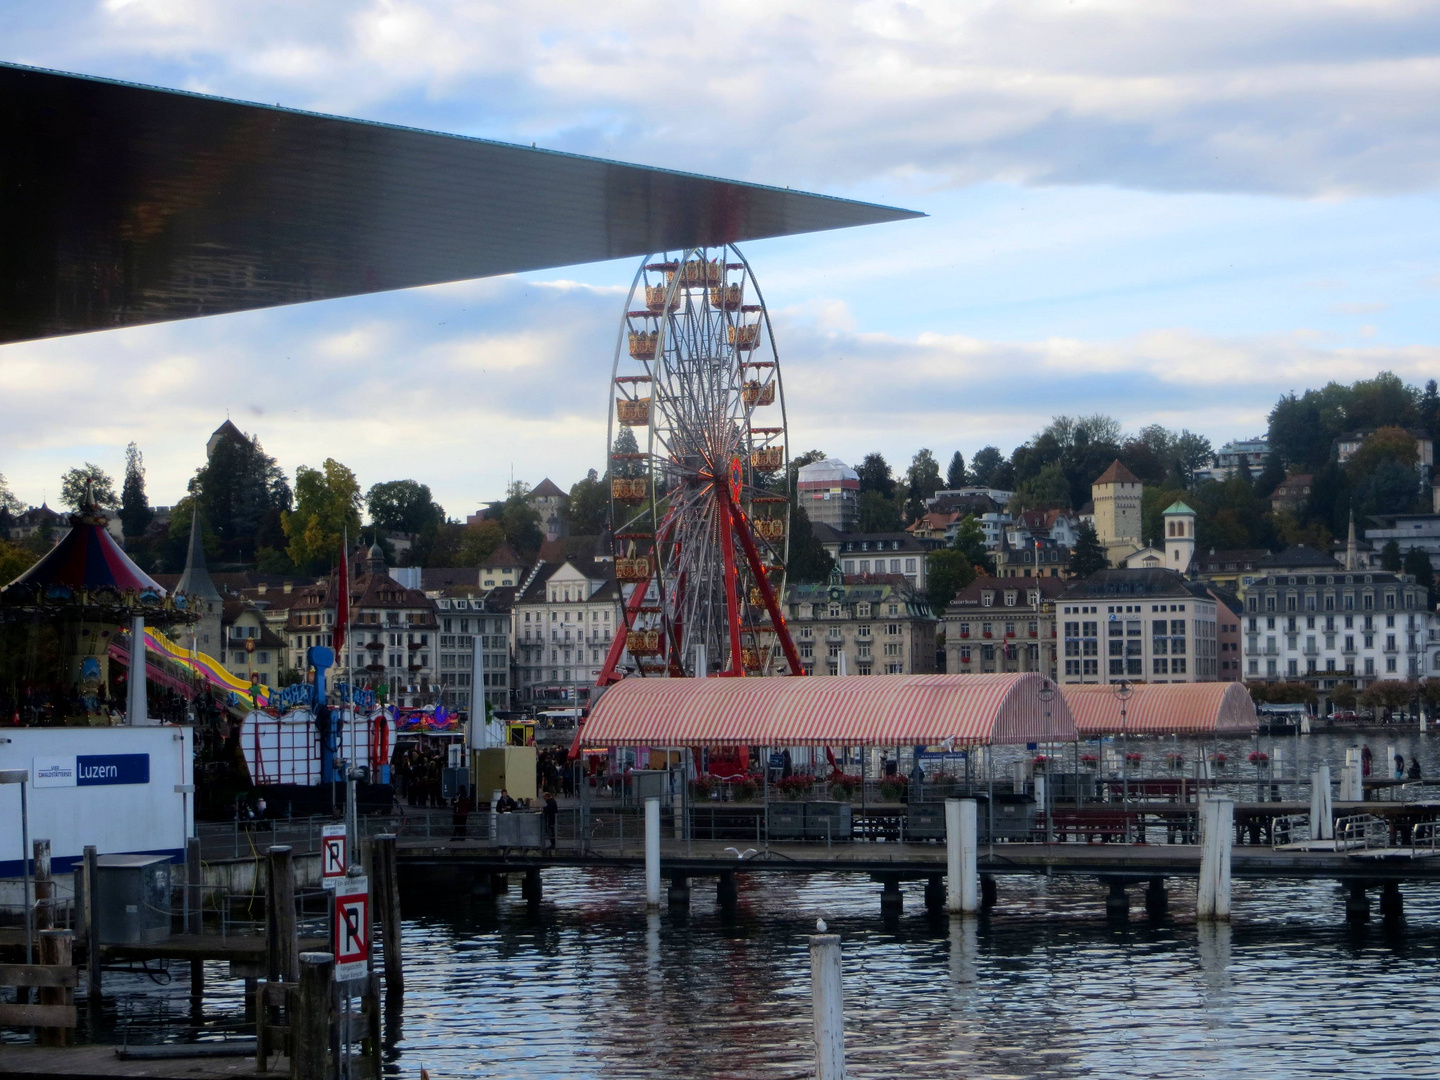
(351, 923)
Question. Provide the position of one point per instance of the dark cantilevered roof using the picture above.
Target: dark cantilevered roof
(124, 204)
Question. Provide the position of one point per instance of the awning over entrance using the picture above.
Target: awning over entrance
(1164, 709)
(840, 710)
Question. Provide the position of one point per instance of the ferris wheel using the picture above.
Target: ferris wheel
(700, 497)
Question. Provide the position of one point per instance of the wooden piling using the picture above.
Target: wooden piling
(828, 1004)
(282, 939)
(92, 926)
(44, 886)
(385, 890)
(652, 853)
(56, 951)
(310, 1025)
(1217, 834)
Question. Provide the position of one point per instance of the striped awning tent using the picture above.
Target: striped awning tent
(1211, 708)
(825, 710)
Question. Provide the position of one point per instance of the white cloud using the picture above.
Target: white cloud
(1325, 98)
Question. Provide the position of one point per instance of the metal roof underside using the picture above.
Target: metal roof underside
(123, 204)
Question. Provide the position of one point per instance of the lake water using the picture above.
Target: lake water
(590, 985)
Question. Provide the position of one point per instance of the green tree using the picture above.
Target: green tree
(14, 561)
(520, 521)
(404, 506)
(1344, 696)
(73, 486)
(875, 475)
(1390, 558)
(135, 512)
(1047, 489)
(809, 561)
(955, 476)
(478, 542)
(327, 506)
(876, 513)
(625, 444)
(9, 507)
(1271, 476)
(1088, 555)
(1418, 563)
(947, 571)
(989, 468)
(970, 542)
(587, 513)
(922, 481)
(243, 493)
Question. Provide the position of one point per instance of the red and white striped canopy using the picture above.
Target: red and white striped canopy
(1213, 708)
(829, 710)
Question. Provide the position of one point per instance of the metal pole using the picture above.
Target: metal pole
(25, 858)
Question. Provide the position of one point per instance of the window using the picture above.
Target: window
(909, 566)
(965, 654)
(1390, 663)
(1177, 666)
(1160, 666)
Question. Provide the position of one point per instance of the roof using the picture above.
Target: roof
(1208, 708)
(855, 543)
(504, 555)
(591, 568)
(1239, 556)
(1296, 557)
(185, 205)
(195, 581)
(87, 557)
(449, 577)
(969, 597)
(546, 489)
(1178, 507)
(828, 471)
(818, 710)
(1116, 474)
(1129, 581)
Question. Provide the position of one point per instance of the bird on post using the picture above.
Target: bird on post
(820, 925)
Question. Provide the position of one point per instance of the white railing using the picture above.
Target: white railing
(1361, 832)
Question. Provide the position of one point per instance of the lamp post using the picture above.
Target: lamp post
(1122, 691)
(22, 777)
(1047, 695)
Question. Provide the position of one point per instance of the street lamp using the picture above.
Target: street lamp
(1122, 691)
(22, 777)
(1047, 695)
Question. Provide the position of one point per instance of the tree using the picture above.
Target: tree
(1271, 476)
(520, 521)
(955, 476)
(101, 487)
(1048, 489)
(135, 512)
(587, 513)
(243, 493)
(947, 571)
(9, 507)
(1418, 563)
(1191, 453)
(922, 480)
(1344, 696)
(970, 542)
(404, 506)
(984, 466)
(876, 513)
(809, 561)
(327, 506)
(1088, 556)
(625, 444)
(875, 475)
(1386, 444)
(1390, 558)
(14, 561)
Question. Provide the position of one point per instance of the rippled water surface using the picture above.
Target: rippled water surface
(589, 985)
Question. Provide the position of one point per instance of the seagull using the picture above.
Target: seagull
(820, 925)
(742, 854)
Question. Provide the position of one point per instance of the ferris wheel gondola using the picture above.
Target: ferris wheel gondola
(700, 496)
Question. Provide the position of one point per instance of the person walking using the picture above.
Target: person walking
(552, 820)
(462, 809)
(1399, 766)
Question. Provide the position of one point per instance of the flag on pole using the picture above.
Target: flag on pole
(342, 603)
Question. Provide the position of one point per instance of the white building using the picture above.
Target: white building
(563, 623)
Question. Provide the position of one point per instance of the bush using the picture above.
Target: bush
(844, 787)
(793, 787)
(893, 788)
(744, 789)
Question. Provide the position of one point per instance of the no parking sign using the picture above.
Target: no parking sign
(351, 921)
(334, 858)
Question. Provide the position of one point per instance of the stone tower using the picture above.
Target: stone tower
(1117, 494)
(203, 597)
(1179, 537)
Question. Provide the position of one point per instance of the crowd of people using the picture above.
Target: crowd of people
(417, 771)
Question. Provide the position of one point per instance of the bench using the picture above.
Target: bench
(1092, 826)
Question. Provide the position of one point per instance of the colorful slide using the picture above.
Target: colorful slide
(206, 667)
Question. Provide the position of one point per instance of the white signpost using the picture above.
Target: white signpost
(334, 855)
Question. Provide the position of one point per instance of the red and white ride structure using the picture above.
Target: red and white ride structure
(700, 503)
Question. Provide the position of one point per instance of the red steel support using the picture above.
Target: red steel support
(777, 620)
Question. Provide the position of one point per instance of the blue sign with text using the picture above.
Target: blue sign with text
(94, 769)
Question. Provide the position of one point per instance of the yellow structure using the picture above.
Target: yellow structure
(503, 768)
(1117, 494)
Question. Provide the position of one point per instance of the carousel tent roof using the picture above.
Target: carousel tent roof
(884, 710)
(1212, 708)
(87, 557)
(129, 204)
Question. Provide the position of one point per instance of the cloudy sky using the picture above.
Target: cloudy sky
(1171, 212)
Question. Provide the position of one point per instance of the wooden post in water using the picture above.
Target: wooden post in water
(310, 1023)
(92, 926)
(194, 917)
(961, 848)
(827, 1000)
(56, 951)
(1322, 809)
(386, 894)
(44, 886)
(1217, 829)
(282, 941)
(652, 853)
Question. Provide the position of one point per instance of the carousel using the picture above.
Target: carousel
(65, 617)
